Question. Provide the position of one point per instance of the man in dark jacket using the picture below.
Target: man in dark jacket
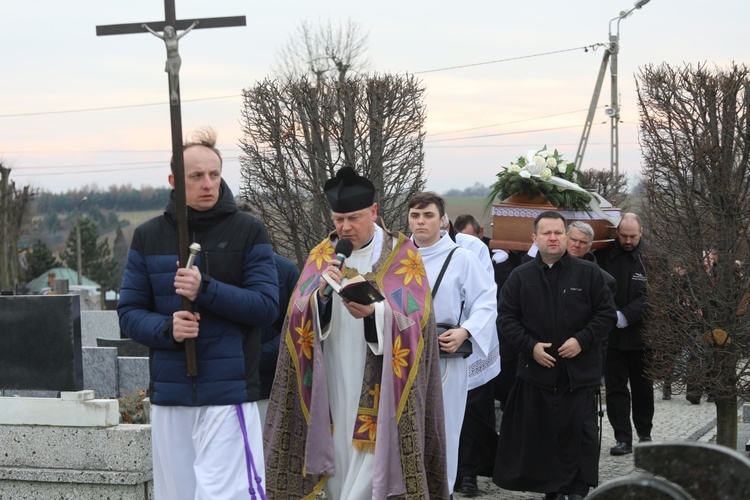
(269, 348)
(203, 425)
(555, 310)
(626, 353)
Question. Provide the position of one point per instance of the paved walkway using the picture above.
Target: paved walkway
(674, 420)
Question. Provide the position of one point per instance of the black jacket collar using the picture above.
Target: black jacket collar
(203, 220)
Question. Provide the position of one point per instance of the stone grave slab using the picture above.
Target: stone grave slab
(125, 347)
(100, 371)
(40, 343)
(133, 374)
(99, 324)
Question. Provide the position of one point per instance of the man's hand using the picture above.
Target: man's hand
(334, 273)
(541, 357)
(570, 349)
(359, 311)
(187, 282)
(450, 340)
(185, 325)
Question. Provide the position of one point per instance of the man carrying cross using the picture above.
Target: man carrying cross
(206, 431)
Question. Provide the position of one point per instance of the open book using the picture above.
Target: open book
(357, 289)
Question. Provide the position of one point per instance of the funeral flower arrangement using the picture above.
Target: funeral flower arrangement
(541, 173)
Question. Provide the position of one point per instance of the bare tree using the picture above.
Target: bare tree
(13, 204)
(321, 50)
(695, 135)
(611, 187)
(299, 133)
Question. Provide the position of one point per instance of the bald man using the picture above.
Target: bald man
(627, 352)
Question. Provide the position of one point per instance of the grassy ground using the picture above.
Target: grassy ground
(474, 205)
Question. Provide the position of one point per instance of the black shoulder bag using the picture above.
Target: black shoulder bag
(465, 349)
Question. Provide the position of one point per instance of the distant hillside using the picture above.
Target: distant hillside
(474, 205)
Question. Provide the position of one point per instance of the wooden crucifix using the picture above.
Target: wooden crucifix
(169, 29)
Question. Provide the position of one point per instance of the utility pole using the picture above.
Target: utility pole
(79, 267)
(613, 111)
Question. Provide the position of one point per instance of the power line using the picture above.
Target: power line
(101, 151)
(126, 106)
(534, 145)
(509, 123)
(512, 133)
(161, 165)
(108, 108)
(585, 48)
(502, 134)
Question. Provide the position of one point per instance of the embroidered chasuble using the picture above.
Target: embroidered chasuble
(362, 420)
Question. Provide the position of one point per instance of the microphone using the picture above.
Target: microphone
(343, 250)
(195, 249)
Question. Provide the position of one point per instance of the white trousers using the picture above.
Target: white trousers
(199, 452)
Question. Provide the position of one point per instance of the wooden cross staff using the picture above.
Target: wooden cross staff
(169, 29)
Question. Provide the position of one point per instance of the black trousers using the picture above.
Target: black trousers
(478, 442)
(625, 367)
(504, 381)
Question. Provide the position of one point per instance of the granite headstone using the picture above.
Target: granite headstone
(40, 343)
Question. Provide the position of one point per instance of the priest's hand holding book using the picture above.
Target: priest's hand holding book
(358, 295)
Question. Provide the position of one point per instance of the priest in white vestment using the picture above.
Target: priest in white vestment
(357, 399)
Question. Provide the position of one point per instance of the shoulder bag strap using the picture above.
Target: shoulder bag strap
(442, 272)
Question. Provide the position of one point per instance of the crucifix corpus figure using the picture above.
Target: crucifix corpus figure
(174, 61)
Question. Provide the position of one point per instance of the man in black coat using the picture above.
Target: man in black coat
(627, 352)
(555, 310)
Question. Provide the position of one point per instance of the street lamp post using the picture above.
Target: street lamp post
(79, 268)
(614, 111)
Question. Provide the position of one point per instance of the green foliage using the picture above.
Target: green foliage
(532, 175)
(51, 222)
(96, 258)
(39, 259)
(120, 253)
(116, 198)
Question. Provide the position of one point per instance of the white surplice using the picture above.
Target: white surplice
(482, 369)
(465, 280)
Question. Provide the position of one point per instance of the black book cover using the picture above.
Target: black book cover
(357, 289)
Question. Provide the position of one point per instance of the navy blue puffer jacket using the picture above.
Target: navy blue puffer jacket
(239, 294)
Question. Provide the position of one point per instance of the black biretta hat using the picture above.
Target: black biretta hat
(349, 191)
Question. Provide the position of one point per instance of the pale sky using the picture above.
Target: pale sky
(77, 109)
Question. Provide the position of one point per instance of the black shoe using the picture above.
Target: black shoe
(554, 496)
(694, 399)
(666, 395)
(468, 486)
(621, 449)
(644, 439)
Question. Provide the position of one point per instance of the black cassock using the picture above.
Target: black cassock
(548, 439)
